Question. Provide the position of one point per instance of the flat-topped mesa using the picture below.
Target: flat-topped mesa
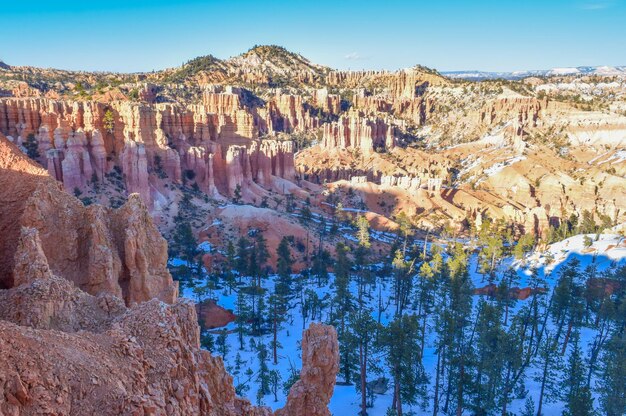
(355, 131)
(406, 83)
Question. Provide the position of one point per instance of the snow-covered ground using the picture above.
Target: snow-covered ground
(607, 251)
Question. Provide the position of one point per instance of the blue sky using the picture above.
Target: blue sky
(142, 35)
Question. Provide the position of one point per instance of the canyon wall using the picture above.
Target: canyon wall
(91, 322)
(80, 142)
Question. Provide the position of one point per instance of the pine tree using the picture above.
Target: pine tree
(403, 281)
(258, 258)
(425, 298)
(363, 233)
(612, 384)
(404, 230)
(222, 344)
(243, 314)
(509, 279)
(108, 121)
(259, 319)
(305, 215)
(577, 397)
(399, 342)
(237, 195)
(343, 304)
(364, 328)
(230, 265)
(529, 407)
(514, 360)
(32, 147)
(490, 254)
(242, 255)
(457, 291)
(321, 260)
(567, 305)
(284, 260)
(184, 240)
(588, 224)
(549, 361)
(263, 376)
(240, 388)
(278, 314)
(294, 375)
(207, 342)
(525, 243)
(275, 383)
(491, 345)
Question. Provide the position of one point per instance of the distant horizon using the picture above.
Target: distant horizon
(443, 71)
(131, 36)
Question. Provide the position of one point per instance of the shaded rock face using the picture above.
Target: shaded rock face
(80, 142)
(90, 319)
(18, 180)
(101, 250)
(46, 231)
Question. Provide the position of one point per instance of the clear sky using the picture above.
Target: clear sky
(142, 35)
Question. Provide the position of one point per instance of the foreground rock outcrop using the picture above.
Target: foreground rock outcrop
(101, 250)
(71, 353)
(91, 322)
(320, 363)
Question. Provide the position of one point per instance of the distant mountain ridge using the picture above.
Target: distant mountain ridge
(475, 75)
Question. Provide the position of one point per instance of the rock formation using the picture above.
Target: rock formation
(211, 315)
(148, 143)
(311, 394)
(72, 353)
(100, 250)
(329, 103)
(192, 126)
(90, 319)
(354, 131)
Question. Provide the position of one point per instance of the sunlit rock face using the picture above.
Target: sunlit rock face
(218, 141)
